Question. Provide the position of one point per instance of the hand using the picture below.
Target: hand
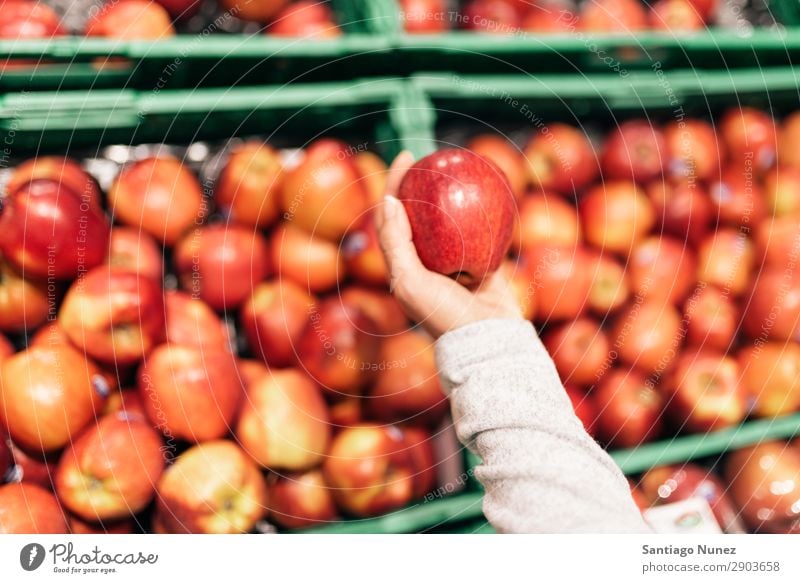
(434, 300)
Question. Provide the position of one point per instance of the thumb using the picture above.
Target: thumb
(394, 235)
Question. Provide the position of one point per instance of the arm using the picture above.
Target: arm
(541, 471)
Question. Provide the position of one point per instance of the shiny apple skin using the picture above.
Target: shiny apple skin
(24, 303)
(461, 211)
(29, 509)
(302, 499)
(629, 409)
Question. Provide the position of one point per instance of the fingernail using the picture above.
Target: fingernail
(389, 206)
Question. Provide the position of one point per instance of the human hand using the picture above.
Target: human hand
(434, 300)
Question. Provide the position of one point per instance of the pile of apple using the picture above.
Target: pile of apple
(555, 16)
(662, 266)
(153, 20)
(280, 380)
(759, 488)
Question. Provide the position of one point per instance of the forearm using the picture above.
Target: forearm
(541, 471)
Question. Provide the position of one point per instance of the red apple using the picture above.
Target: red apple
(127, 403)
(134, 250)
(181, 10)
(647, 335)
(545, 220)
(222, 263)
(49, 335)
(615, 216)
(28, 509)
(609, 289)
(780, 191)
(750, 138)
(520, 279)
(560, 158)
(250, 371)
(419, 447)
(662, 268)
(628, 408)
(580, 351)
(585, 408)
(48, 395)
(190, 393)
(612, 16)
(212, 488)
(725, 259)
(772, 309)
(65, 171)
(379, 306)
(369, 470)
(505, 155)
(6, 348)
(764, 482)
(158, 195)
(310, 261)
(338, 348)
(131, 20)
(23, 19)
(777, 241)
(675, 16)
(309, 19)
(363, 256)
(549, 17)
(46, 231)
(191, 322)
(683, 210)
(668, 484)
(693, 152)
(254, 10)
(249, 186)
(284, 423)
(712, 318)
(78, 526)
(788, 153)
(346, 412)
(111, 470)
(373, 172)
(705, 8)
(703, 391)
(115, 316)
(424, 16)
(494, 16)
(24, 303)
(273, 320)
(31, 467)
(738, 198)
(635, 150)
(407, 388)
(302, 499)
(562, 280)
(461, 211)
(771, 377)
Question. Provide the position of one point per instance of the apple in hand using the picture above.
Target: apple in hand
(114, 316)
(461, 210)
(221, 263)
(48, 395)
(284, 423)
(615, 216)
(725, 259)
(65, 171)
(703, 391)
(661, 268)
(29, 509)
(635, 150)
(771, 377)
(158, 195)
(363, 256)
(212, 488)
(647, 335)
(628, 408)
(561, 281)
(764, 482)
(561, 160)
(308, 19)
(772, 309)
(248, 188)
(190, 393)
(134, 250)
(693, 152)
(301, 499)
(750, 138)
(612, 16)
(505, 155)
(190, 322)
(24, 303)
(379, 306)
(712, 318)
(544, 219)
(47, 231)
(407, 388)
(111, 470)
(424, 16)
(310, 261)
(274, 318)
(609, 289)
(585, 408)
(682, 210)
(580, 350)
(369, 470)
(131, 20)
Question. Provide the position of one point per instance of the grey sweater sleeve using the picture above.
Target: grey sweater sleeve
(541, 470)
